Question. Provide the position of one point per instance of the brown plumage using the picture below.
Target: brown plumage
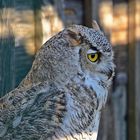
(62, 96)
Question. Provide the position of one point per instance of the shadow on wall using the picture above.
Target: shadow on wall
(14, 64)
(29, 24)
(23, 29)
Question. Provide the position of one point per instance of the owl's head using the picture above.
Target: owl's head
(95, 51)
(75, 50)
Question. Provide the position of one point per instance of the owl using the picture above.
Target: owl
(62, 96)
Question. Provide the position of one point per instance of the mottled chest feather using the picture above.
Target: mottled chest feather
(83, 111)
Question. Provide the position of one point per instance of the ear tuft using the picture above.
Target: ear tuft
(73, 36)
(95, 25)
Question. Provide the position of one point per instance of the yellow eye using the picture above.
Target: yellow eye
(93, 57)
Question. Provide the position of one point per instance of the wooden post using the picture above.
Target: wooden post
(88, 12)
(131, 135)
(138, 72)
(38, 24)
(138, 89)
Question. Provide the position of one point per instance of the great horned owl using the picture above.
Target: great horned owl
(62, 96)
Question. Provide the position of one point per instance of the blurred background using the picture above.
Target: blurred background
(26, 25)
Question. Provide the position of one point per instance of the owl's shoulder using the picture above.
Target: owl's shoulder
(36, 111)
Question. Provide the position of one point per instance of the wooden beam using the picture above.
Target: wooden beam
(87, 13)
(38, 24)
(131, 135)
